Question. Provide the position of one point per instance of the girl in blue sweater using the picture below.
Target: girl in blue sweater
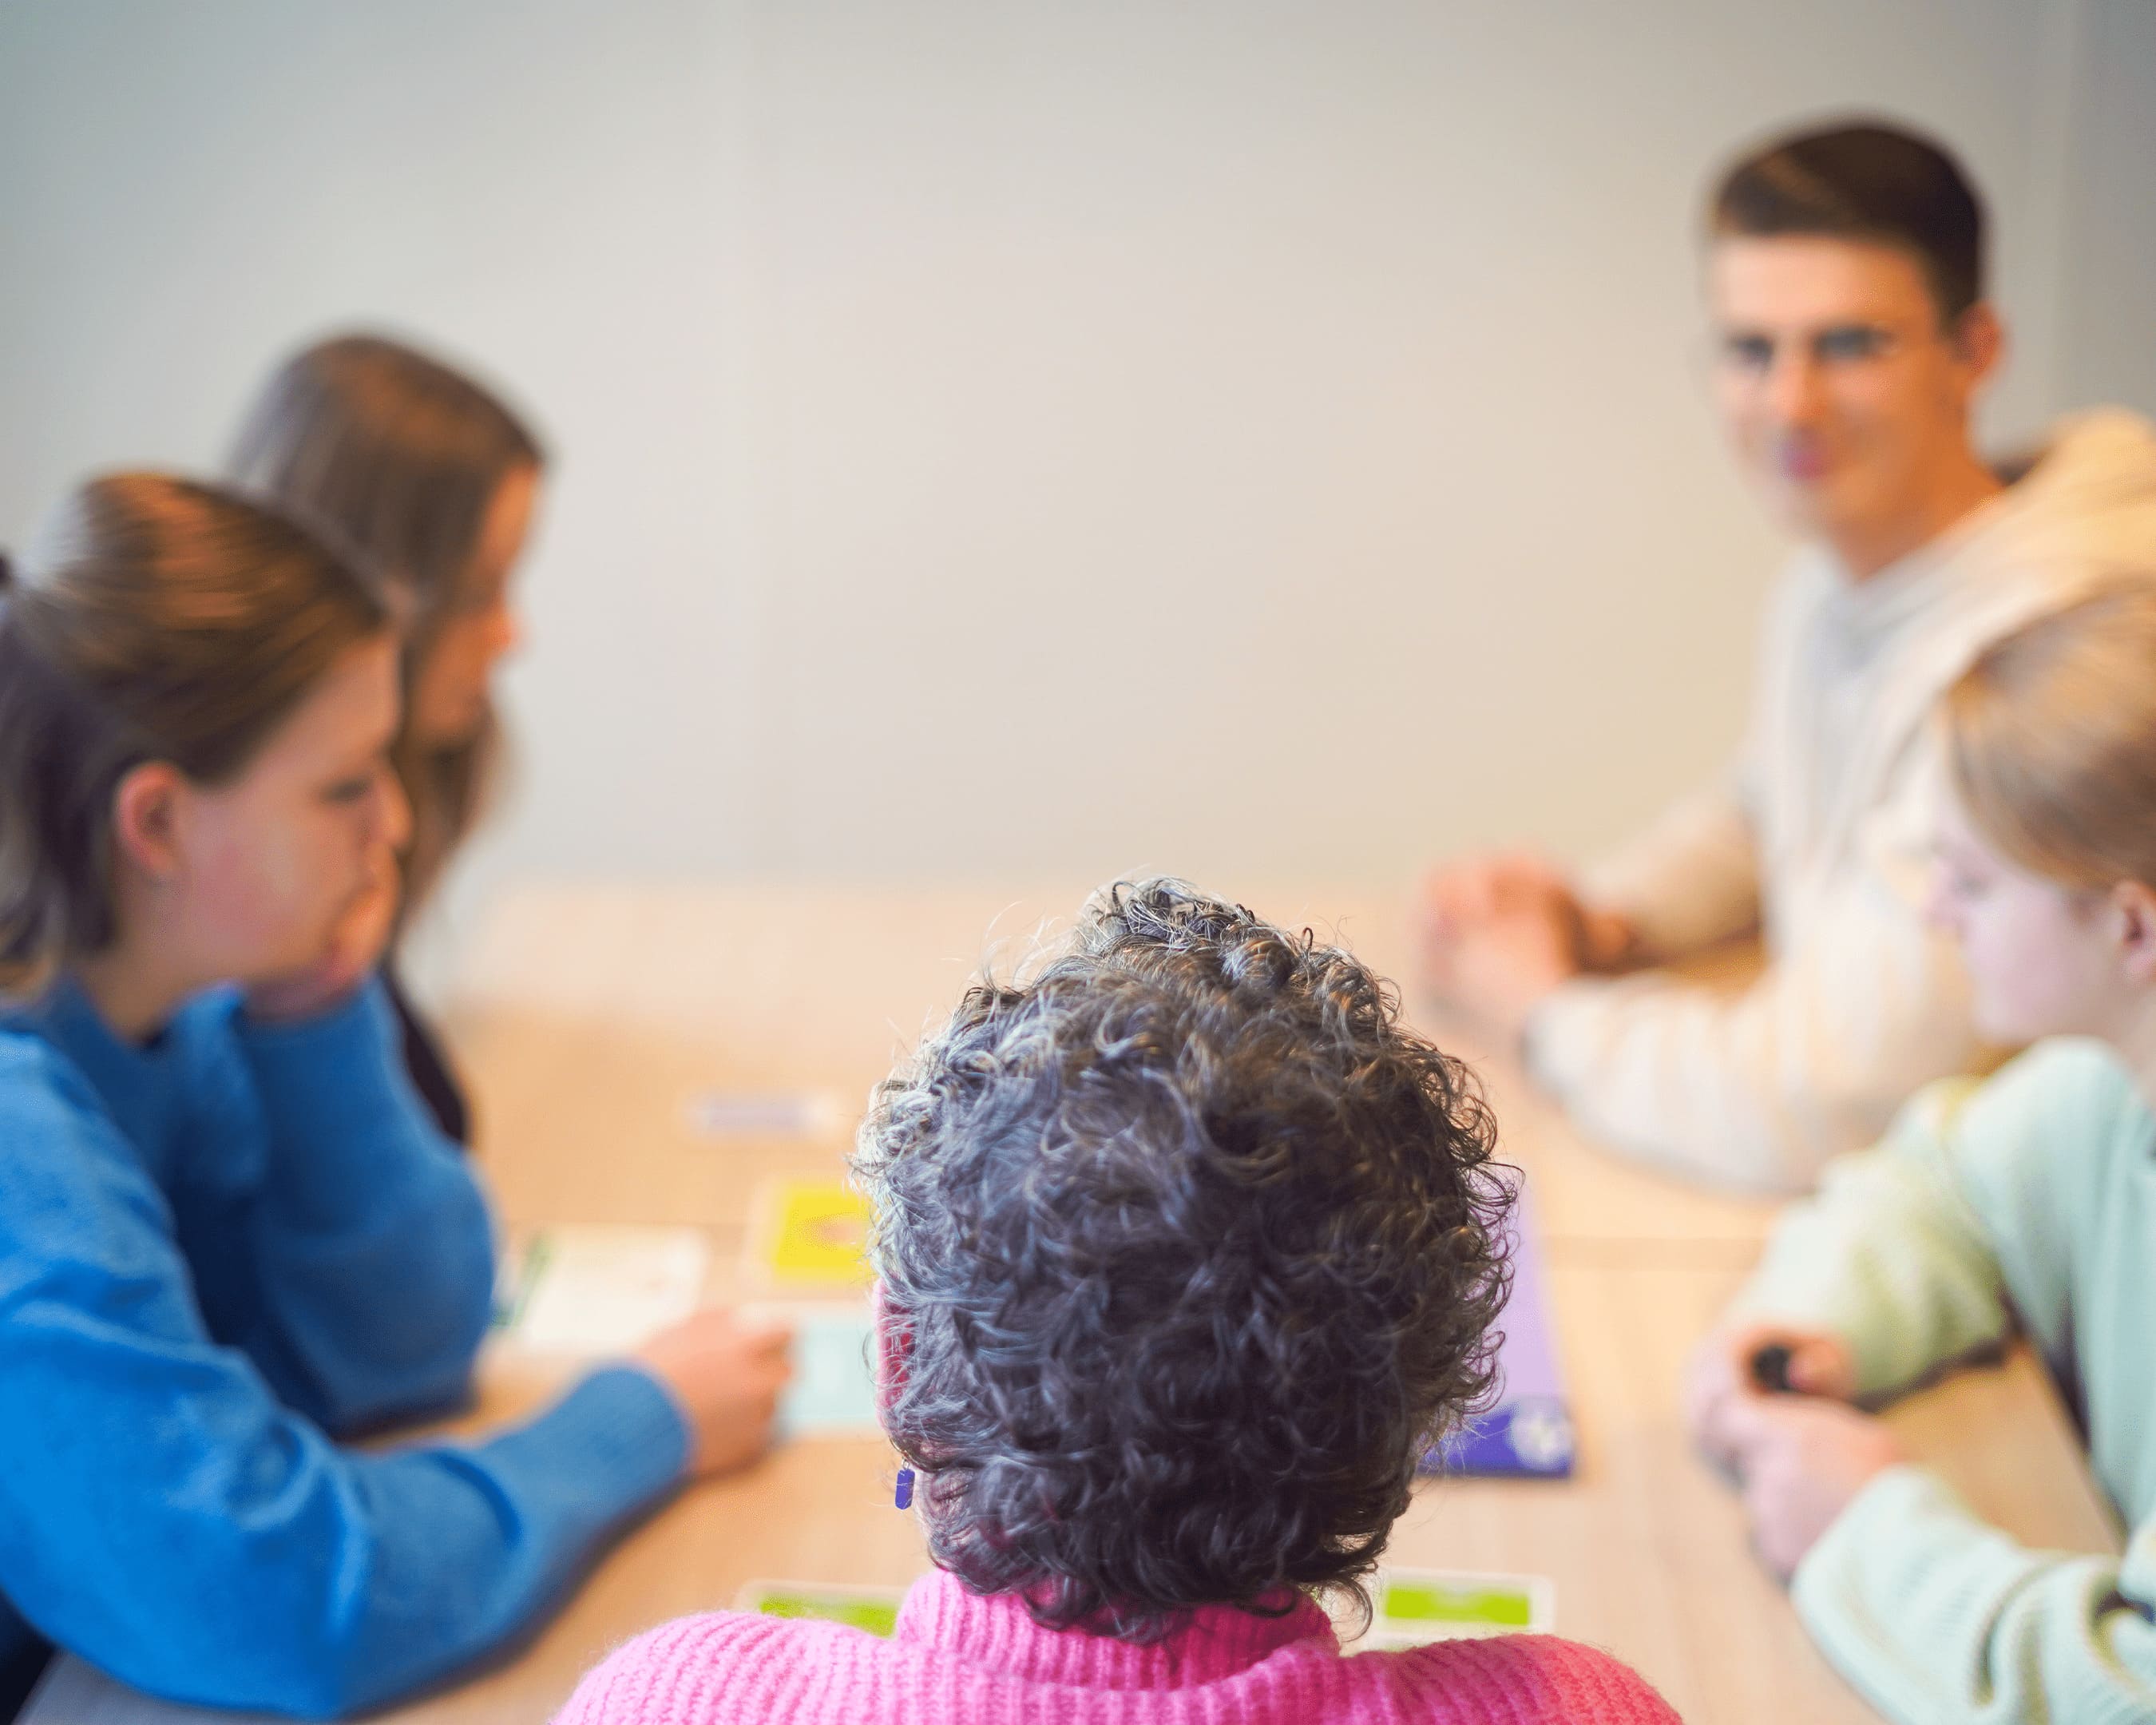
(228, 1230)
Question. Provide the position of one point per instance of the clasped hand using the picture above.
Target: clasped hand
(1801, 1457)
(1500, 934)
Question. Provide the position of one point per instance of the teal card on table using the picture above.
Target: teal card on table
(833, 1391)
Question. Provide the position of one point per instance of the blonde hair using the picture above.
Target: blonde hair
(154, 619)
(2051, 740)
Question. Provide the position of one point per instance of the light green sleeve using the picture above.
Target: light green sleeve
(1890, 1255)
(1936, 1616)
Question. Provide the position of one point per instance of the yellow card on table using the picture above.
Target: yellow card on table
(810, 1234)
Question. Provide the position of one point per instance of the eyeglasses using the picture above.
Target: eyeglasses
(1755, 353)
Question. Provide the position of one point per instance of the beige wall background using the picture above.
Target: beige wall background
(1246, 438)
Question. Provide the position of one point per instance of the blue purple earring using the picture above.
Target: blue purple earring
(903, 1497)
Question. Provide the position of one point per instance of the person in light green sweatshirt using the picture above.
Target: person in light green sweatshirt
(2024, 1202)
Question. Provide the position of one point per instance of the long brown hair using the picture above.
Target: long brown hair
(153, 619)
(402, 455)
(2051, 741)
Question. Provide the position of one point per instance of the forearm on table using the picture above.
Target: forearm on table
(1665, 1071)
(1887, 1256)
(1935, 1614)
(264, 1569)
(1762, 1086)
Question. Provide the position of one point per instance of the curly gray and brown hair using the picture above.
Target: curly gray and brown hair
(1188, 1250)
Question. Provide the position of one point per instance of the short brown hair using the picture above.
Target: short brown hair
(401, 454)
(2051, 741)
(1872, 183)
(153, 620)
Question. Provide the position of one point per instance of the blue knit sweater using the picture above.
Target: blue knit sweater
(217, 1253)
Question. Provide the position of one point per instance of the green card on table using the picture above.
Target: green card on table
(873, 1609)
(1413, 1606)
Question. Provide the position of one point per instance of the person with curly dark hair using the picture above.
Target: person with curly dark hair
(1186, 1249)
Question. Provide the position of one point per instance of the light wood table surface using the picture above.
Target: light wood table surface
(591, 1018)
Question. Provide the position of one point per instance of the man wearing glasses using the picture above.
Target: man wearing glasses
(1844, 281)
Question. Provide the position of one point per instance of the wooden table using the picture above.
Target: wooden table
(591, 1019)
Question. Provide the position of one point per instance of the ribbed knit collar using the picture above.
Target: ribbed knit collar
(996, 1632)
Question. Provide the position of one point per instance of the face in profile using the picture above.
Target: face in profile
(452, 685)
(270, 861)
(1838, 387)
(2041, 957)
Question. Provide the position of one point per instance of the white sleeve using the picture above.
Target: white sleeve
(1691, 880)
(1760, 1088)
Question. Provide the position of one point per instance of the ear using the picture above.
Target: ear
(2133, 908)
(1979, 339)
(146, 818)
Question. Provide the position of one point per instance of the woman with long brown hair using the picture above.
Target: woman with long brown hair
(434, 480)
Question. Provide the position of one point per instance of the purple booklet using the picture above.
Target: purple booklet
(1529, 1431)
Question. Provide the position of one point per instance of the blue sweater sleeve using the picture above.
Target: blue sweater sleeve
(374, 1252)
(163, 1515)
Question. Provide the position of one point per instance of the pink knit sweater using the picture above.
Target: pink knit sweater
(957, 1659)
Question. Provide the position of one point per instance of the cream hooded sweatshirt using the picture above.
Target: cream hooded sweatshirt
(1819, 839)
